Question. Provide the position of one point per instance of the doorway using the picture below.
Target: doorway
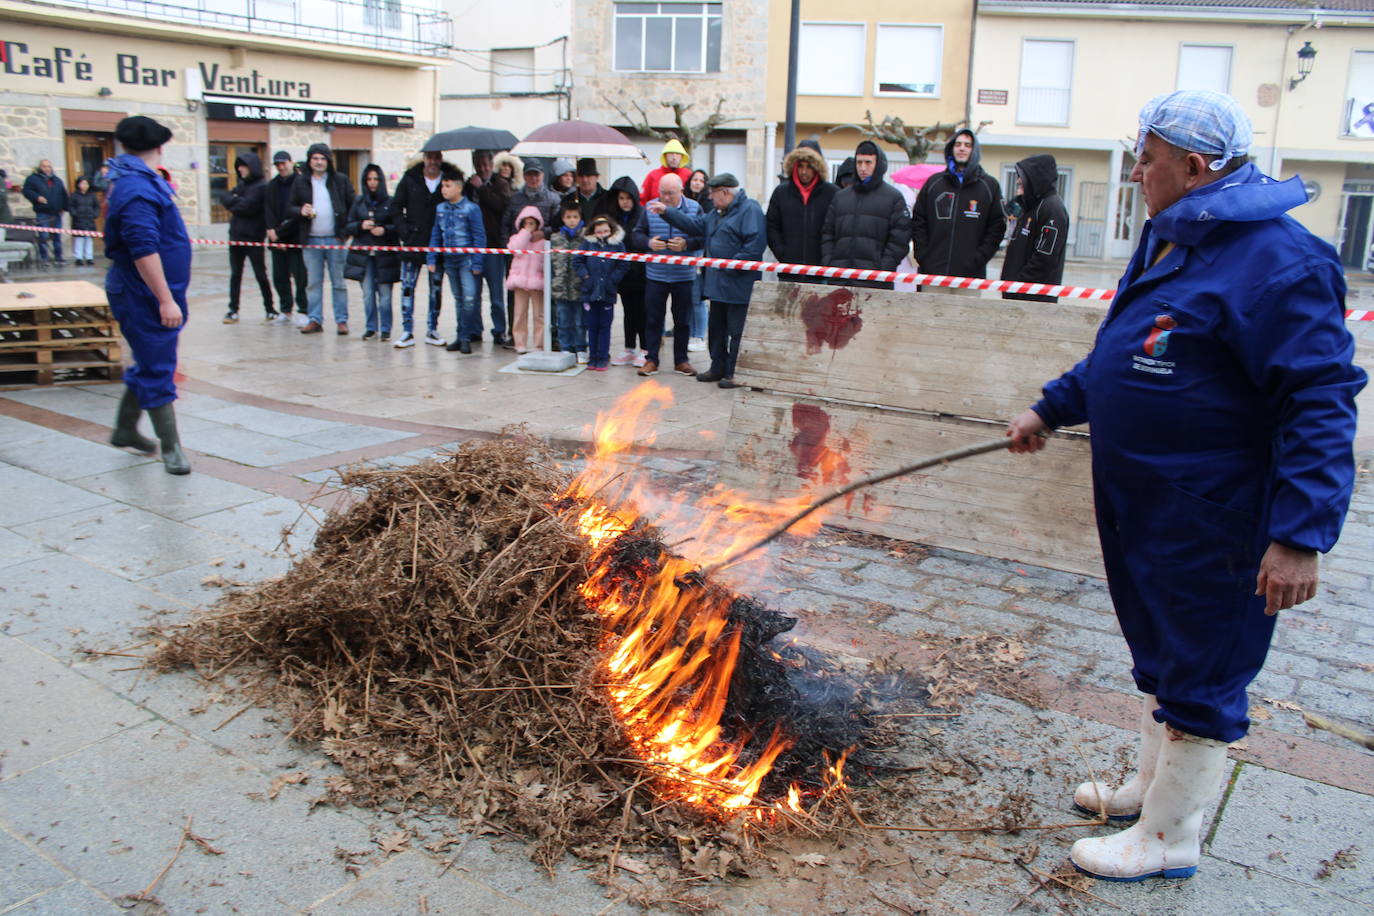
(86, 153)
(1357, 229)
(219, 166)
(1130, 215)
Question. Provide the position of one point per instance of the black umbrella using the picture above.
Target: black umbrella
(470, 138)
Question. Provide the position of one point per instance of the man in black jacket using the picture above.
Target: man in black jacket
(48, 195)
(321, 199)
(1035, 253)
(417, 196)
(796, 211)
(248, 224)
(867, 225)
(288, 264)
(958, 220)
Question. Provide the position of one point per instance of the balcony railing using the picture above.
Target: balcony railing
(385, 25)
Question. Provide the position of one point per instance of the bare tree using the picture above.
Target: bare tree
(689, 135)
(916, 141)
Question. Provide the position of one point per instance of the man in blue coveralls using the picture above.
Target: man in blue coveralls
(1221, 397)
(146, 240)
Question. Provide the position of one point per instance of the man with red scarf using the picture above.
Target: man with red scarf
(796, 211)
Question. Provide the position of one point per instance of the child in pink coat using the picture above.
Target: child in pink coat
(526, 280)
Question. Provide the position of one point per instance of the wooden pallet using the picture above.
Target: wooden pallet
(854, 382)
(56, 333)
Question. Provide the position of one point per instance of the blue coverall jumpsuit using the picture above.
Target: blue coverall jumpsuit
(1221, 397)
(143, 219)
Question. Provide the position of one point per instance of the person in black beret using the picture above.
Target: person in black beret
(146, 241)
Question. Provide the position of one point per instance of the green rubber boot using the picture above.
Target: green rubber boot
(165, 425)
(126, 434)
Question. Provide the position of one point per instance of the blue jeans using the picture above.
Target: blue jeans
(54, 221)
(376, 298)
(315, 260)
(465, 286)
(494, 272)
(572, 335)
(410, 278)
(597, 318)
(700, 311)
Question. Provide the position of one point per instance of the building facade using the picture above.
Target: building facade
(261, 76)
(887, 58)
(631, 60)
(1069, 78)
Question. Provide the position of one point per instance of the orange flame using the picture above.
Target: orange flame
(670, 653)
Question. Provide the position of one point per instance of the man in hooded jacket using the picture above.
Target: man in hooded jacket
(1221, 396)
(321, 199)
(1035, 253)
(867, 225)
(958, 220)
(248, 223)
(797, 208)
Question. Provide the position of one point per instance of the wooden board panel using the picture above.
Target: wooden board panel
(1036, 509)
(928, 351)
(53, 294)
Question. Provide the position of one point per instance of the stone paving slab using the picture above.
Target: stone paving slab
(188, 585)
(31, 497)
(149, 486)
(68, 900)
(15, 548)
(254, 449)
(61, 713)
(268, 422)
(27, 875)
(260, 524)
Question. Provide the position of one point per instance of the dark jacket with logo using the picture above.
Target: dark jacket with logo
(415, 204)
(50, 188)
(1035, 253)
(245, 201)
(340, 195)
(795, 220)
(378, 208)
(867, 225)
(958, 221)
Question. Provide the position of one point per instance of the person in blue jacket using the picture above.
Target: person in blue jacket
(1221, 397)
(146, 240)
(734, 228)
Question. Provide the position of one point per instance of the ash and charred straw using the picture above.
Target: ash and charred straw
(436, 642)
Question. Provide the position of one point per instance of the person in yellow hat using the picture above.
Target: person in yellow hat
(675, 159)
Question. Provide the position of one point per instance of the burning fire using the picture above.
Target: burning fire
(670, 650)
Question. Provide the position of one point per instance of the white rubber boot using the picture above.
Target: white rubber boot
(1165, 842)
(1123, 802)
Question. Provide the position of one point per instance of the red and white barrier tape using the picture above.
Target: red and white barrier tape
(778, 267)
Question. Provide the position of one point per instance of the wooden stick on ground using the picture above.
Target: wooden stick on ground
(1315, 721)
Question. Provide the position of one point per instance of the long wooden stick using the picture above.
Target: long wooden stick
(1315, 721)
(968, 451)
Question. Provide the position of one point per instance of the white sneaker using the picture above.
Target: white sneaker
(639, 358)
(281, 319)
(696, 345)
(302, 319)
(623, 358)
(434, 340)
(582, 357)
(404, 341)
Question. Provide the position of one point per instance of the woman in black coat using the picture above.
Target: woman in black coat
(372, 223)
(622, 205)
(84, 206)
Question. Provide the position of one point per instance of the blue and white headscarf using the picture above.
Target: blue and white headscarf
(1199, 121)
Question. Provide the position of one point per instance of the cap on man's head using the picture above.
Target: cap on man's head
(587, 166)
(722, 180)
(1198, 121)
(563, 167)
(533, 166)
(281, 156)
(139, 133)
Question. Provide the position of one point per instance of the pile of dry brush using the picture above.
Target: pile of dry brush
(435, 644)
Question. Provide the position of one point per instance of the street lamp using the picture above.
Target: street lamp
(1306, 55)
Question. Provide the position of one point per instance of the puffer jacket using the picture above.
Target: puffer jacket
(652, 225)
(84, 208)
(415, 204)
(246, 200)
(527, 270)
(522, 197)
(740, 232)
(632, 283)
(566, 283)
(1036, 251)
(867, 225)
(378, 208)
(796, 215)
(458, 225)
(601, 276)
(958, 220)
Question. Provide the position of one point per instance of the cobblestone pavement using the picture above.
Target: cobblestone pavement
(102, 764)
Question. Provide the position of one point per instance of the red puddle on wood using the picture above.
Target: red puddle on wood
(816, 459)
(830, 319)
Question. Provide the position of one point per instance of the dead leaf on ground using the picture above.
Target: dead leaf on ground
(286, 779)
(813, 859)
